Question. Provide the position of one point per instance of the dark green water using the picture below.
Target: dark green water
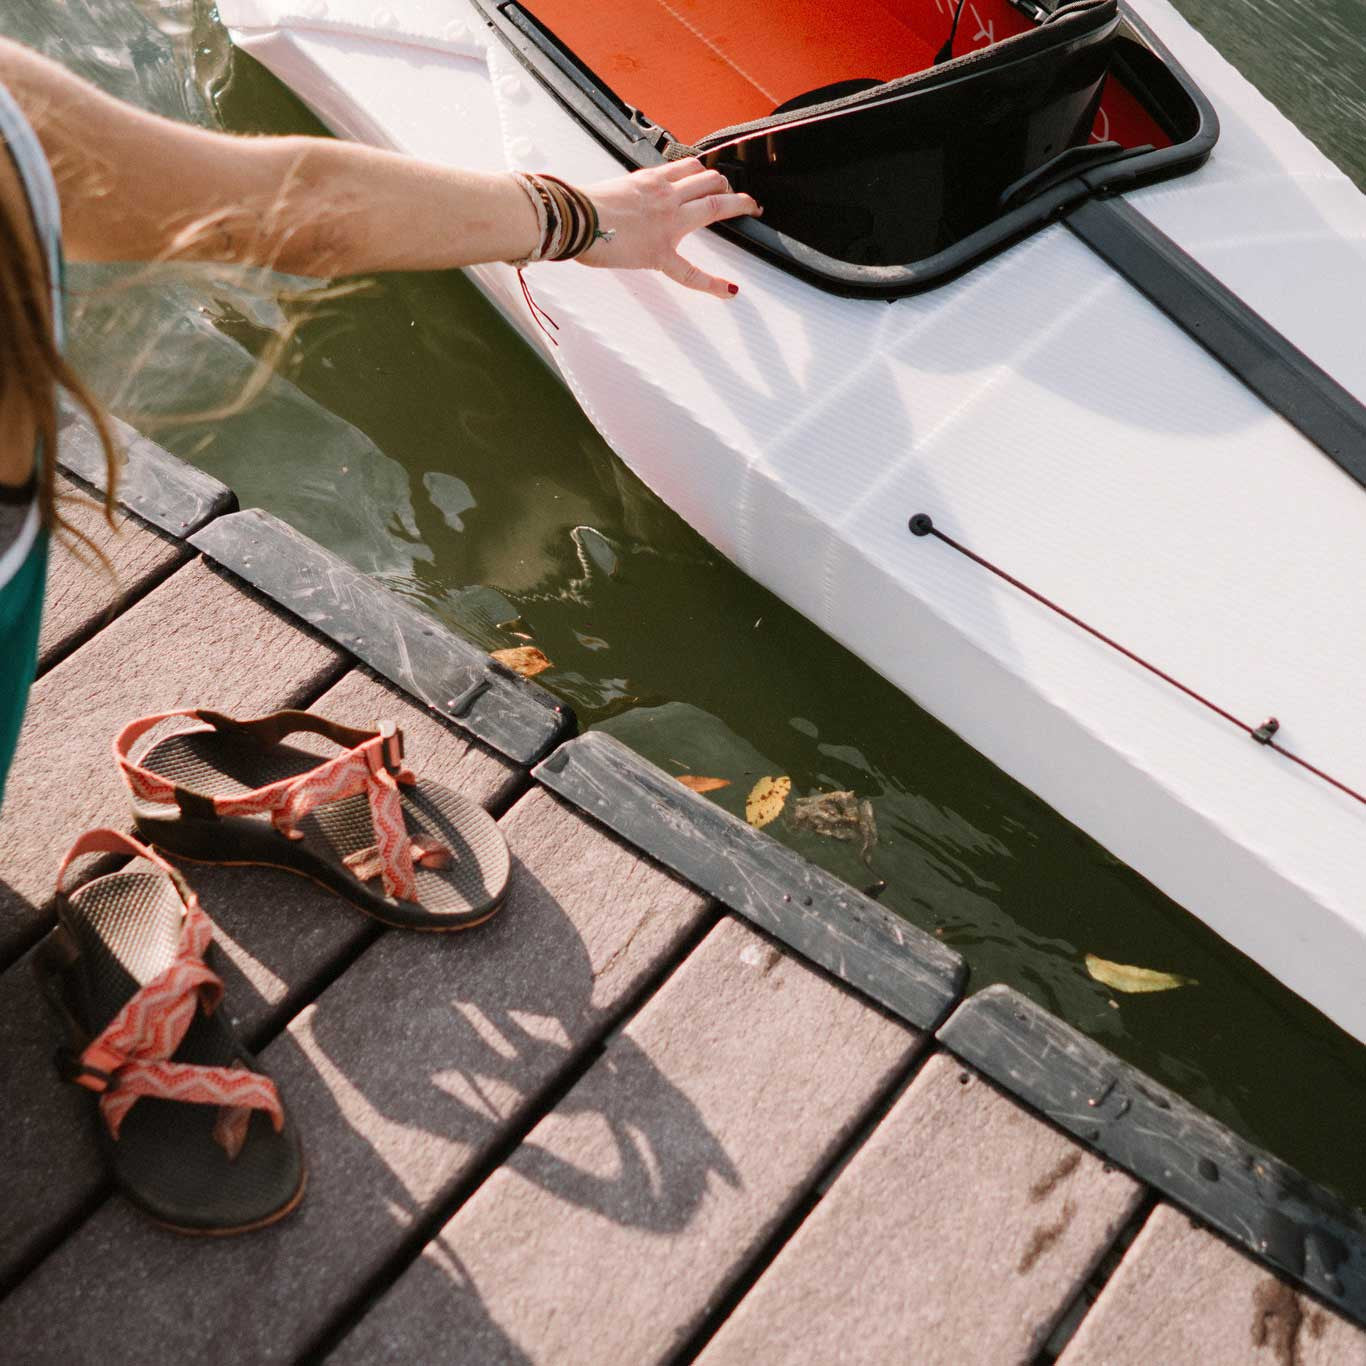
(409, 429)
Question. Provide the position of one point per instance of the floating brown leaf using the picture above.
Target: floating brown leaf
(700, 784)
(526, 660)
(1126, 977)
(765, 801)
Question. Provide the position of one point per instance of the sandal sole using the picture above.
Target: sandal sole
(190, 1231)
(425, 928)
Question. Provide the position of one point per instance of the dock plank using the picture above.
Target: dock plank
(959, 1232)
(403, 1076)
(82, 595)
(279, 934)
(1182, 1294)
(629, 1209)
(196, 639)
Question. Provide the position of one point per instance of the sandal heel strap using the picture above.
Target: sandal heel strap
(271, 729)
(267, 731)
(107, 841)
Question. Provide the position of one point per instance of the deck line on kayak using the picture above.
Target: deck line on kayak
(1233, 332)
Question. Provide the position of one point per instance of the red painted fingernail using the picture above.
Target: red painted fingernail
(734, 289)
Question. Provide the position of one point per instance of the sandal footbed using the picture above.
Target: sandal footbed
(217, 764)
(126, 927)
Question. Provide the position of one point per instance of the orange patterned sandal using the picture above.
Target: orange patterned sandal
(192, 1130)
(409, 852)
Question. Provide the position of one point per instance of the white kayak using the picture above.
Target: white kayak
(1041, 410)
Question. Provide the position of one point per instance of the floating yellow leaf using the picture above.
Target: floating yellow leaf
(765, 802)
(700, 784)
(1126, 977)
(526, 660)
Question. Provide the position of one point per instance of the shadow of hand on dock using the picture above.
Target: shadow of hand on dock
(415, 1075)
(437, 1049)
(665, 1155)
(434, 1051)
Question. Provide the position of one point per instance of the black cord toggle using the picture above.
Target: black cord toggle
(1262, 735)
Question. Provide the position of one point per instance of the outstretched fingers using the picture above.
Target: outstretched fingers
(707, 199)
(681, 170)
(716, 208)
(693, 277)
(702, 183)
(649, 212)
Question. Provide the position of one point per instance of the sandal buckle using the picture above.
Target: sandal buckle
(72, 1069)
(391, 746)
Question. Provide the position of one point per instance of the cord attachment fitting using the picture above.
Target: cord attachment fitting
(1262, 735)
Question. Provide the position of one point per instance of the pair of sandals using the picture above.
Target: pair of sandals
(193, 1131)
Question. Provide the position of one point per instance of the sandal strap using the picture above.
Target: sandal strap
(131, 1056)
(371, 762)
(271, 729)
(107, 841)
(364, 769)
(236, 1091)
(142, 782)
(267, 731)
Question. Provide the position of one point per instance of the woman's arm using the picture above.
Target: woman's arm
(135, 186)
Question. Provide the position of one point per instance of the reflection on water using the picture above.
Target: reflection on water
(406, 427)
(1309, 60)
(143, 334)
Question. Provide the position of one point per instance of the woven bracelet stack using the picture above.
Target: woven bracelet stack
(566, 217)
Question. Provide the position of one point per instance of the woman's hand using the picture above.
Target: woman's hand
(136, 187)
(649, 212)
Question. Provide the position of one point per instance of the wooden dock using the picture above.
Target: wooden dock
(685, 1098)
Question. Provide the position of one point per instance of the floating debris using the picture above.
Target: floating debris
(698, 783)
(595, 551)
(837, 815)
(766, 800)
(526, 660)
(1125, 977)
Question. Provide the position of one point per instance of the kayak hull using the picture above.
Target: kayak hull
(1043, 413)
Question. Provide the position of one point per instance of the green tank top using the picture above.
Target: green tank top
(23, 560)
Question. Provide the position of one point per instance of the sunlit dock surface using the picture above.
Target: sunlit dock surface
(695, 1103)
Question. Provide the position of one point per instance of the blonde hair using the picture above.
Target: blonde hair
(35, 370)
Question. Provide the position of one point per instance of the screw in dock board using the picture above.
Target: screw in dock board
(921, 524)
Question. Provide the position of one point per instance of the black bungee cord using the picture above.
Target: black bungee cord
(945, 53)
